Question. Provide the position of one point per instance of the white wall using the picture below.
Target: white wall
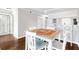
(25, 20)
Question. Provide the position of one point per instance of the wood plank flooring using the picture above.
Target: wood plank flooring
(21, 43)
(73, 47)
(9, 42)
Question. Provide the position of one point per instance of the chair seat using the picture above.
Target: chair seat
(40, 43)
(57, 44)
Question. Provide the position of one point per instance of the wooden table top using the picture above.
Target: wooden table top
(45, 32)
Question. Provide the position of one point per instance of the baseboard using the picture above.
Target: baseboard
(21, 37)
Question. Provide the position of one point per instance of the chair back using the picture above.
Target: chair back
(30, 39)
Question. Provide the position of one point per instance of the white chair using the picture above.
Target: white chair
(60, 42)
(33, 42)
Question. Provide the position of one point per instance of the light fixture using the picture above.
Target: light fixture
(30, 11)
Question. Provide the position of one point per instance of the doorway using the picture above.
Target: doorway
(6, 24)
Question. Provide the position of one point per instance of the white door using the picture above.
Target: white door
(4, 24)
(1, 25)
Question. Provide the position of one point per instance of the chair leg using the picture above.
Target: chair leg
(45, 47)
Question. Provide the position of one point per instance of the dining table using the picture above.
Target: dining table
(46, 34)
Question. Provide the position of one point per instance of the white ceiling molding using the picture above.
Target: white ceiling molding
(41, 10)
(61, 10)
(51, 10)
(31, 11)
(46, 11)
(5, 11)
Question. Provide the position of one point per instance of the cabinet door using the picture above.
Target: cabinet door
(76, 34)
(68, 33)
(67, 28)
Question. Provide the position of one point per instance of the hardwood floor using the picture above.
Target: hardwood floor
(8, 42)
(73, 47)
(21, 44)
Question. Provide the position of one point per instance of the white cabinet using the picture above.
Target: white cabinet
(65, 25)
(71, 31)
(76, 33)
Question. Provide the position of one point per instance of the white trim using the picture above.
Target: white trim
(15, 37)
(21, 37)
(5, 11)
